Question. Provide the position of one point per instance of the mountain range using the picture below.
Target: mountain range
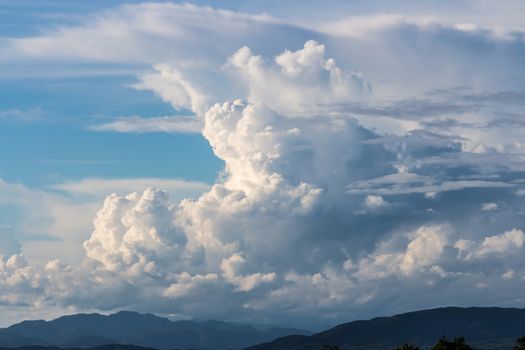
(483, 328)
(145, 330)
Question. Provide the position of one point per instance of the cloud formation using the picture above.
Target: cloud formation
(136, 124)
(297, 79)
(339, 194)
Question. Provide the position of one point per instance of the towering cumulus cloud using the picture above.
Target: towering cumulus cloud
(314, 214)
(135, 232)
(299, 80)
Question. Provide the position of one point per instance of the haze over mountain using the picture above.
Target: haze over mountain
(484, 328)
(146, 330)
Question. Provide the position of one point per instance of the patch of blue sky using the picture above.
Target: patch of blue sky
(44, 136)
(42, 154)
(83, 96)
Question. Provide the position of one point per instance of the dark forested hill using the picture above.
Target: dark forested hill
(484, 328)
(91, 330)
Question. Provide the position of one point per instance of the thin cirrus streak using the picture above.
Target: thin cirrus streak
(167, 124)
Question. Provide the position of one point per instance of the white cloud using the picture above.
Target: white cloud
(284, 218)
(489, 206)
(425, 249)
(184, 37)
(504, 243)
(150, 32)
(20, 282)
(189, 284)
(134, 232)
(373, 201)
(244, 283)
(293, 182)
(363, 26)
(21, 115)
(430, 195)
(171, 85)
(193, 43)
(101, 187)
(319, 291)
(55, 218)
(54, 222)
(295, 82)
(136, 124)
(299, 80)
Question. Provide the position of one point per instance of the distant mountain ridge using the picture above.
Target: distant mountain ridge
(483, 328)
(145, 330)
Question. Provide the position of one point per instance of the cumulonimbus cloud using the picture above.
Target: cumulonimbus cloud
(314, 214)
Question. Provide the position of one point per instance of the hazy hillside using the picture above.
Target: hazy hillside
(90, 330)
(484, 328)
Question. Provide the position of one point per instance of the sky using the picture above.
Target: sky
(279, 162)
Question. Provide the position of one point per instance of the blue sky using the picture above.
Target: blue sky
(217, 159)
(51, 142)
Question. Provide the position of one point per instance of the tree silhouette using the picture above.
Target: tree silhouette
(330, 347)
(407, 346)
(456, 344)
(520, 344)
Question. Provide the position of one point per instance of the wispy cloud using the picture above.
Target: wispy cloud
(24, 115)
(167, 124)
(101, 187)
